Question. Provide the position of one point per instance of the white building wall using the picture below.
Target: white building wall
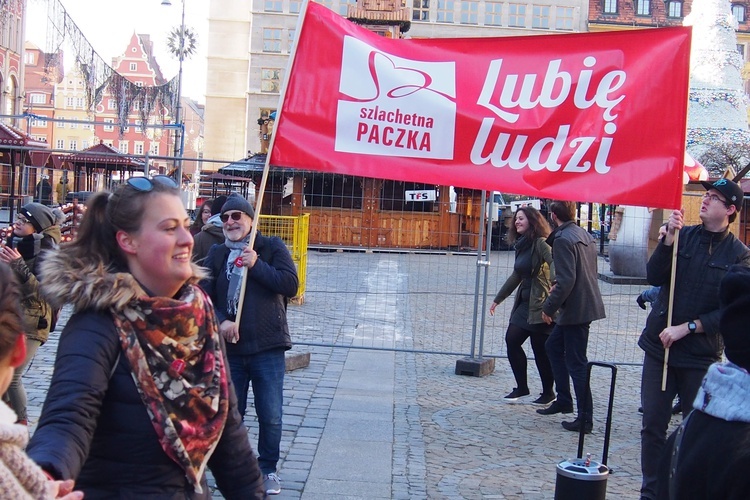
(231, 20)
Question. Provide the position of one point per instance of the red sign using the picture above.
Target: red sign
(585, 117)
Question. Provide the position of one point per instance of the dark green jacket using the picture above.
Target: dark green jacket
(541, 259)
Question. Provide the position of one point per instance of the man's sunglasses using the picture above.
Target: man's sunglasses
(144, 184)
(234, 215)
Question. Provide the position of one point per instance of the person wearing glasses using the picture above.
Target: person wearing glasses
(201, 218)
(256, 346)
(140, 401)
(212, 232)
(705, 253)
(34, 232)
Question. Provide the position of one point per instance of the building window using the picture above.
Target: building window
(344, 6)
(123, 147)
(109, 142)
(60, 124)
(29, 59)
(469, 12)
(86, 126)
(139, 126)
(326, 3)
(79, 102)
(73, 124)
(69, 102)
(517, 15)
(270, 80)
(272, 5)
(564, 18)
(60, 144)
(133, 66)
(85, 144)
(445, 11)
(493, 13)
(420, 10)
(109, 128)
(610, 6)
(111, 104)
(294, 6)
(138, 148)
(540, 18)
(739, 12)
(38, 99)
(271, 39)
(643, 8)
(139, 84)
(674, 9)
(740, 49)
(38, 123)
(73, 145)
(290, 40)
(154, 149)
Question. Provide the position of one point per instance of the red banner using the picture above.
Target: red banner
(585, 117)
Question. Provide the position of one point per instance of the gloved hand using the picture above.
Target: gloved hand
(641, 302)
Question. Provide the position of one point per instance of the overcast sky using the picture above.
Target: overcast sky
(109, 24)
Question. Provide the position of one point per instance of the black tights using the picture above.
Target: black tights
(514, 339)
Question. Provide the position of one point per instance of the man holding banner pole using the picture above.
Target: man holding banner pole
(705, 252)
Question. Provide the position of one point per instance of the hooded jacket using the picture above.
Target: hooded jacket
(37, 312)
(211, 234)
(94, 427)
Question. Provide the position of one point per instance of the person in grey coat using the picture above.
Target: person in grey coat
(576, 298)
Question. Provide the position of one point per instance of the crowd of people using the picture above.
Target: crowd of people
(154, 367)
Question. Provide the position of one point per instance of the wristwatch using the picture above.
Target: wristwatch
(692, 327)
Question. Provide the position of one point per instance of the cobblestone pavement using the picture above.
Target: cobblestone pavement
(452, 436)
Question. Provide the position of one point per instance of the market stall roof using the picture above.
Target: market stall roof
(38, 152)
(248, 166)
(104, 156)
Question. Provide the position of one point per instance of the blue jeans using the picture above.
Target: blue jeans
(657, 412)
(566, 350)
(265, 370)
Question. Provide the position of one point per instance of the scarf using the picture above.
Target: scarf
(234, 273)
(28, 246)
(177, 364)
(20, 477)
(725, 393)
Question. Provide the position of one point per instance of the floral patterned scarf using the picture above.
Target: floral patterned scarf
(175, 355)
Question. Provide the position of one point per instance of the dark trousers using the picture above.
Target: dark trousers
(514, 339)
(566, 349)
(657, 412)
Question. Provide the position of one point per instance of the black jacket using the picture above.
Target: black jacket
(576, 294)
(270, 283)
(94, 427)
(703, 259)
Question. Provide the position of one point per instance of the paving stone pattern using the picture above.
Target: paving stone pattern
(368, 423)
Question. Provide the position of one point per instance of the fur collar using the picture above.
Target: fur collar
(90, 286)
(725, 393)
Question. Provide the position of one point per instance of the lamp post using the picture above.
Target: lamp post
(180, 49)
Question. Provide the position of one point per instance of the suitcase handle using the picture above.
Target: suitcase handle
(608, 426)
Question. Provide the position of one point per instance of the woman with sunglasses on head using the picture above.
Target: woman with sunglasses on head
(533, 274)
(140, 401)
(33, 232)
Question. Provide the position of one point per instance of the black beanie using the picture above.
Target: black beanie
(734, 297)
(236, 201)
(40, 216)
(217, 203)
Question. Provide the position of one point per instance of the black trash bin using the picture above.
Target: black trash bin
(581, 479)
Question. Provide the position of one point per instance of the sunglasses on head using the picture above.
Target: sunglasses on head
(234, 215)
(144, 184)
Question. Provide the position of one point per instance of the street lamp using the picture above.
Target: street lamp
(178, 47)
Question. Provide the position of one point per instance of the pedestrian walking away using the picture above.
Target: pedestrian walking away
(705, 253)
(140, 402)
(533, 272)
(256, 346)
(576, 298)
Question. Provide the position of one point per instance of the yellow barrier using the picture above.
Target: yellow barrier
(294, 232)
